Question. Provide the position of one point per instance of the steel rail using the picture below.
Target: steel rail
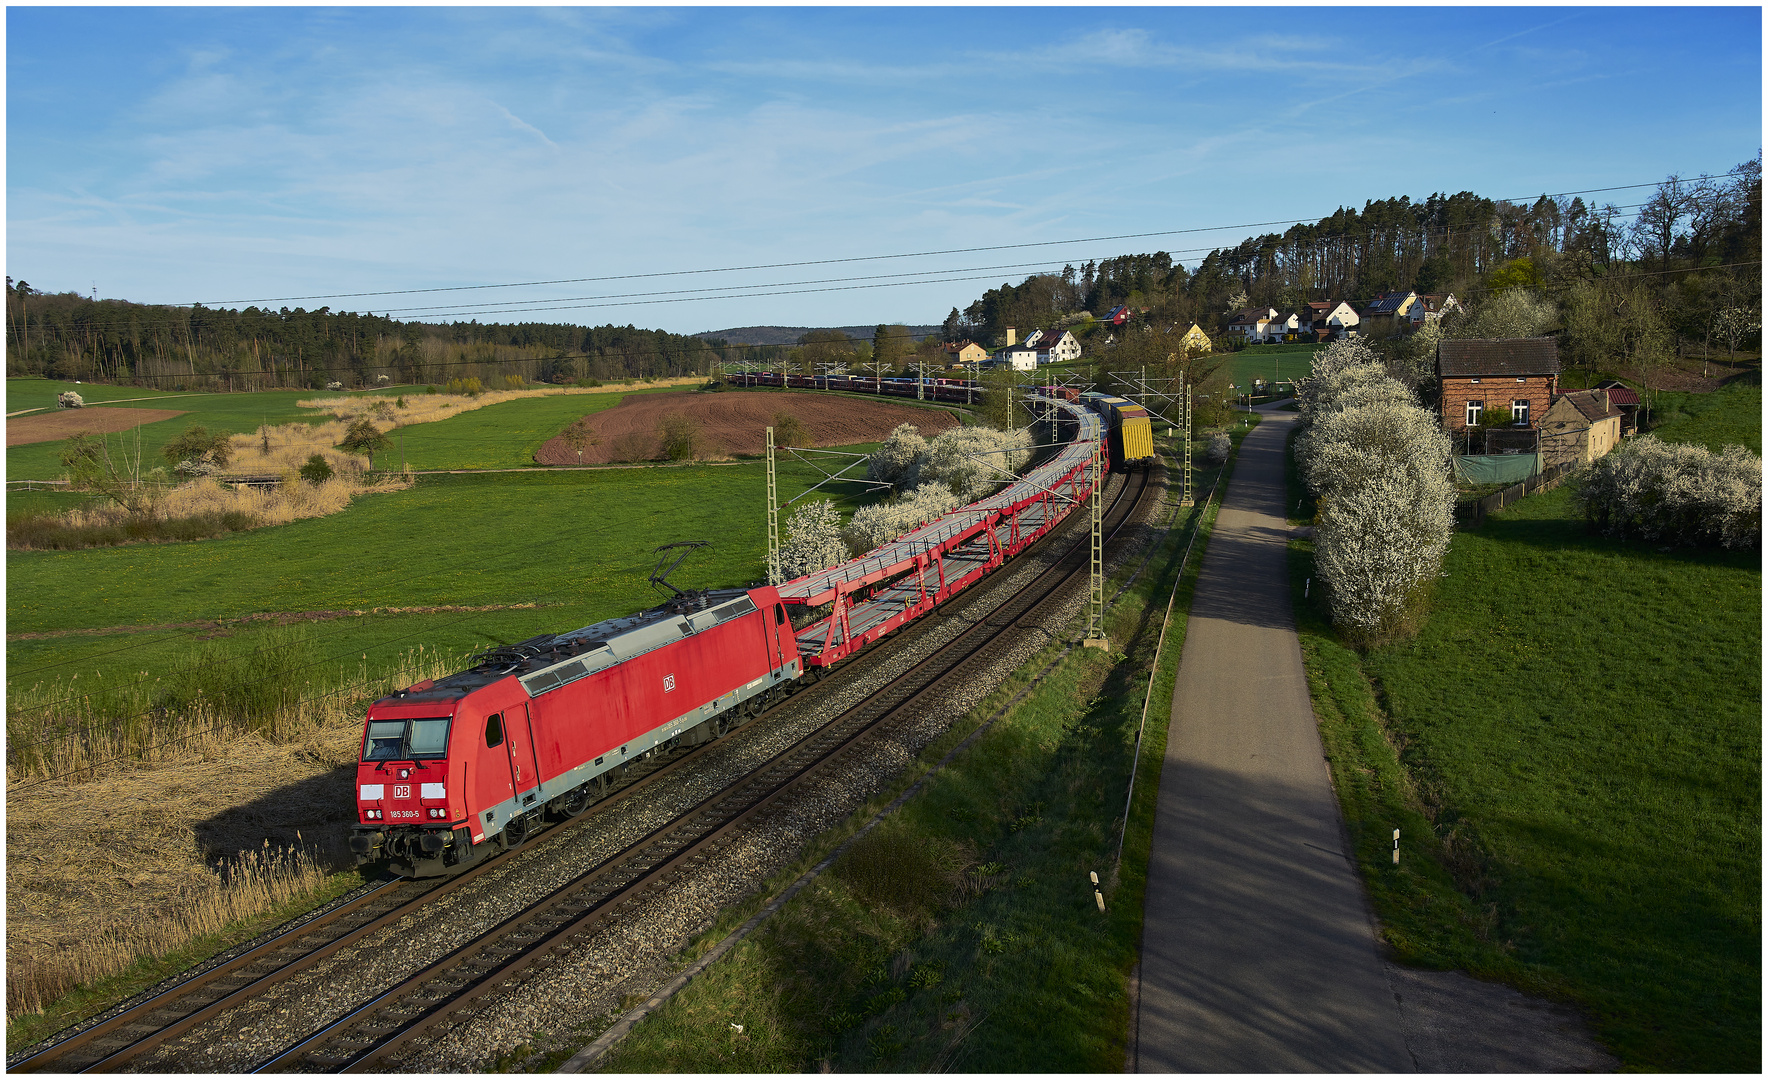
(442, 991)
(59, 1057)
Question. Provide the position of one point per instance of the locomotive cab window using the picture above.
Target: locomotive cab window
(406, 740)
(494, 730)
(779, 614)
(385, 738)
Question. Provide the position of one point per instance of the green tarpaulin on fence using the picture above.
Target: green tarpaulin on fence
(1496, 468)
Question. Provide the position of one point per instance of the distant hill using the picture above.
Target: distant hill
(789, 335)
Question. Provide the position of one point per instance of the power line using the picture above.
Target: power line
(899, 255)
(133, 321)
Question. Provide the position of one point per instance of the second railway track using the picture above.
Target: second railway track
(381, 1030)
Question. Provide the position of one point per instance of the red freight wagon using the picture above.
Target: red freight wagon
(459, 766)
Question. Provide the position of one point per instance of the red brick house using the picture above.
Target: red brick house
(1506, 383)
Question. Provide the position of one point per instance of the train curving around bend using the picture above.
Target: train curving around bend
(458, 768)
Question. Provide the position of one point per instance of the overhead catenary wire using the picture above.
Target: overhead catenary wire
(913, 254)
(925, 277)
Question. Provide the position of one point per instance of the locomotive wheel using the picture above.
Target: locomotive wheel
(514, 833)
(575, 802)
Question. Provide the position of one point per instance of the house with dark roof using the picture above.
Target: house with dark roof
(1390, 304)
(1056, 346)
(1329, 320)
(1430, 306)
(1497, 382)
(1249, 325)
(1580, 427)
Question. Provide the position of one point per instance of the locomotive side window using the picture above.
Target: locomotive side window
(494, 730)
(385, 737)
(779, 614)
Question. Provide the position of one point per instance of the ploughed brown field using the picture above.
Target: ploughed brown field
(49, 426)
(736, 423)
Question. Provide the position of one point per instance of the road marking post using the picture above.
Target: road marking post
(1396, 847)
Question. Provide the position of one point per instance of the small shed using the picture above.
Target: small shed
(1580, 427)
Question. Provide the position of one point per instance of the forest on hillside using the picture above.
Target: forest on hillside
(1665, 269)
(69, 336)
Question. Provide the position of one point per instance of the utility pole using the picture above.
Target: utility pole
(773, 516)
(1189, 494)
(1095, 638)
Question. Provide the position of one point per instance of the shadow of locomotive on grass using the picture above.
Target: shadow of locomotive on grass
(314, 813)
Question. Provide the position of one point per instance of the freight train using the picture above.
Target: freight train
(1132, 431)
(458, 768)
(956, 391)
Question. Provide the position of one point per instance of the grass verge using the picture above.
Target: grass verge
(1571, 749)
(91, 998)
(966, 920)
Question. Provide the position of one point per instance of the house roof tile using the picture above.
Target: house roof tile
(1593, 404)
(1498, 356)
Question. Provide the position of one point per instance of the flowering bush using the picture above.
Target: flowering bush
(1675, 493)
(896, 455)
(878, 524)
(1378, 465)
(813, 540)
(972, 461)
(195, 467)
(1221, 444)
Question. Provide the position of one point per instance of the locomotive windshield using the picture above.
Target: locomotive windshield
(406, 740)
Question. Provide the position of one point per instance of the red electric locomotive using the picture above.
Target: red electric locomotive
(455, 768)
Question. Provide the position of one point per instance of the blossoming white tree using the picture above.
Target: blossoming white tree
(896, 455)
(813, 540)
(880, 523)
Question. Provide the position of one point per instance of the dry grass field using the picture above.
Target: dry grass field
(136, 858)
(102, 872)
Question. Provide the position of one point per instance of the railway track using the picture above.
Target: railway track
(453, 987)
(375, 1035)
(168, 1012)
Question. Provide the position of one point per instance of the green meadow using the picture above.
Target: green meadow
(231, 412)
(1578, 772)
(574, 544)
(1272, 363)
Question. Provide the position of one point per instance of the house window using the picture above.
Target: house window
(1474, 409)
(1519, 411)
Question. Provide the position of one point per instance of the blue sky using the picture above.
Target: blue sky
(214, 154)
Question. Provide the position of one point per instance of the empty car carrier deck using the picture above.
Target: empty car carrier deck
(903, 579)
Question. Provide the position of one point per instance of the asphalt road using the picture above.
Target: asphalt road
(1259, 952)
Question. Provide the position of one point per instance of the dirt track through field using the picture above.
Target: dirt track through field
(94, 418)
(735, 423)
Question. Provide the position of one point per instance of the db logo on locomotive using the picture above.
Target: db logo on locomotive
(402, 791)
